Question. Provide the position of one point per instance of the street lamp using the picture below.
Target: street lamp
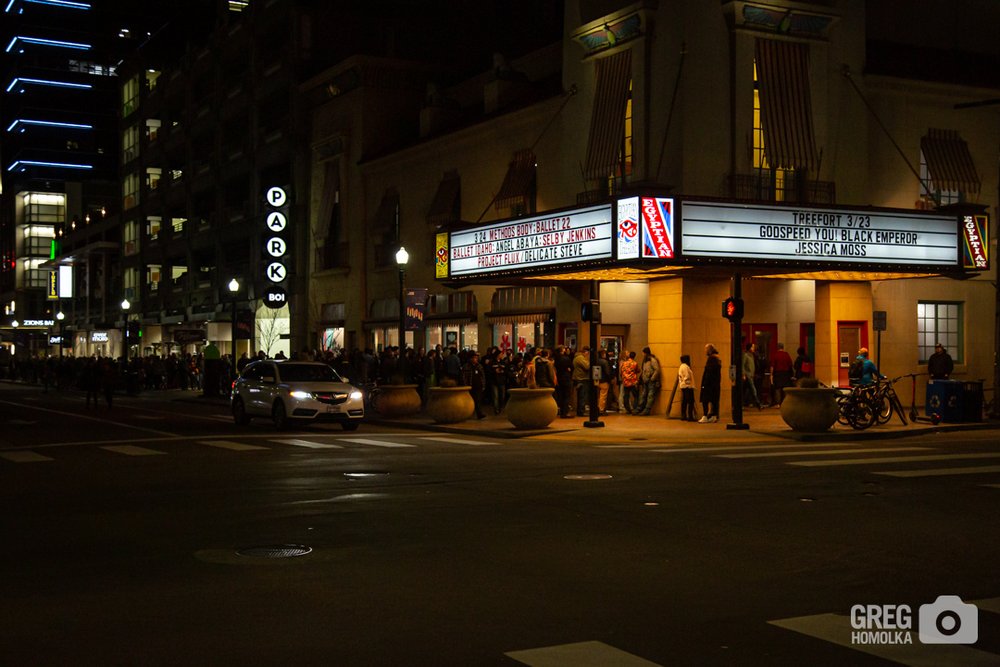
(234, 287)
(125, 306)
(402, 257)
(60, 316)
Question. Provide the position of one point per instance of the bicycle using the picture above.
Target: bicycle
(886, 401)
(857, 407)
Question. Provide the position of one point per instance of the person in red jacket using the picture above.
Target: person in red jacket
(781, 369)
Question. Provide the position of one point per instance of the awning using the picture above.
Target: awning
(331, 191)
(518, 181)
(520, 318)
(385, 216)
(785, 105)
(949, 161)
(446, 206)
(607, 123)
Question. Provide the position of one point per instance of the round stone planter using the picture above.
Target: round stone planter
(450, 405)
(398, 400)
(810, 410)
(531, 408)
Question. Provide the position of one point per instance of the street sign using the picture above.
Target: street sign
(878, 320)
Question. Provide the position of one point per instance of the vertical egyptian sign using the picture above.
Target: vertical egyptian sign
(645, 228)
(976, 231)
(441, 256)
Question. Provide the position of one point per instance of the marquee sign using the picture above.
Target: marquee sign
(753, 233)
(535, 243)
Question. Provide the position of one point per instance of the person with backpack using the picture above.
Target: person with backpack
(863, 371)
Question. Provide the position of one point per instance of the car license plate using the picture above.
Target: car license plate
(333, 408)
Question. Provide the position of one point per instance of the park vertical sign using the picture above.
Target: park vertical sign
(275, 247)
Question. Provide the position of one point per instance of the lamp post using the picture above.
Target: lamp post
(234, 287)
(60, 316)
(125, 306)
(402, 257)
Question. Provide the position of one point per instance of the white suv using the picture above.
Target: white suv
(295, 391)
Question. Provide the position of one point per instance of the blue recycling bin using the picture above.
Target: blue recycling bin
(944, 399)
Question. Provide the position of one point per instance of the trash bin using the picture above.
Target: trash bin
(972, 401)
(944, 399)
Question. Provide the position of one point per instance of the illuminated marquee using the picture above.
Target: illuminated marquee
(532, 243)
(645, 228)
(754, 233)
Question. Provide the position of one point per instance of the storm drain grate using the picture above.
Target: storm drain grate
(275, 551)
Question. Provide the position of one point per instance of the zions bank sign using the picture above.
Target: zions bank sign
(276, 247)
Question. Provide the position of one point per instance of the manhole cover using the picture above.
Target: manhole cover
(275, 551)
(587, 477)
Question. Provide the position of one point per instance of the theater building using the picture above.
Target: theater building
(833, 160)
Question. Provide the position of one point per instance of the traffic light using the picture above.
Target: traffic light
(590, 311)
(732, 309)
(134, 331)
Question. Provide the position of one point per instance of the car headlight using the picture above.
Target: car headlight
(300, 394)
(356, 395)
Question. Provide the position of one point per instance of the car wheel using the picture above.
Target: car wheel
(240, 415)
(349, 426)
(279, 416)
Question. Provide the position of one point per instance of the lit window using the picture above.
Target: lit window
(770, 184)
(939, 322)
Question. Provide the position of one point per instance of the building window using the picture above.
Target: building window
(130, 191)
(609, 145)
(947, 173)
(130, 143)
(153, 275)
(153, 224)
(152, 129)
(153, 177)
(130, 237)
(770, 184)
(130, 281)
(940, 322)
(130, 96)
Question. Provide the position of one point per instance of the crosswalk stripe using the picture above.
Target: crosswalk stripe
(892, 459)
(836, 629)
(307, 443)
(814, 452)
(375, 443)
(580, 654)
(132, 450)
(991, 486)
(681, 450)
(460, 441)
(938, 472)
(229, 444)
(24, 457)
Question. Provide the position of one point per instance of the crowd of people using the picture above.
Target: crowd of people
(628, 383)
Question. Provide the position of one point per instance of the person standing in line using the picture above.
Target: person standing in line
(803, 365)
(582, 380)
(940, 366)
(649, 377)
(749, 371)
(711, 386)
(628, 369)
(782, 368)
(474, 378)
(564, 381)
(685, 380)
(604, 384)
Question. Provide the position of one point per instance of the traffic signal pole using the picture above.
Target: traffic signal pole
(734, 313)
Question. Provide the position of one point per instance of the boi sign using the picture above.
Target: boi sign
(275, 247)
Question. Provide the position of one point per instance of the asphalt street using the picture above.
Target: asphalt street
(158, 533)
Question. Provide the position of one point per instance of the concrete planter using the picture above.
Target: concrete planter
(531, 408)
(398, 400)
(450, 405)
(810, 410)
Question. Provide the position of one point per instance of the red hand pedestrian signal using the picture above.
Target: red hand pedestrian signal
(732, 309)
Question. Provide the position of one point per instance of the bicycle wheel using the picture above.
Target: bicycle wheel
(883, 408)
(864, 415)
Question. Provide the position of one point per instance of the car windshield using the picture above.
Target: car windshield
(307, 373)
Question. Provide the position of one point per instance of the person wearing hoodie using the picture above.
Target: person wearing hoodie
(711, 386)
(685, 381)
